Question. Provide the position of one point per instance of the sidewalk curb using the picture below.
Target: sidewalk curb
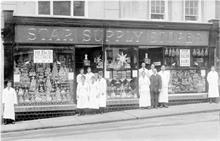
(111, 121)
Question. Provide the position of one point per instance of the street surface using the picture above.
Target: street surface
(195, 127)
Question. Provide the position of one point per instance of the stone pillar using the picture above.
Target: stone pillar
(215, 42)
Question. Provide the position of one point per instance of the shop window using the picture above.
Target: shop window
(191, 10)
(187, 81)
(43, 76)
(121, 72)
(188, 69)
(157, 9)
(61, 8)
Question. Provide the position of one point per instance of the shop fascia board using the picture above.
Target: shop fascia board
(77, 22)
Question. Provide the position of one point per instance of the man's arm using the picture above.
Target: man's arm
(160, 82)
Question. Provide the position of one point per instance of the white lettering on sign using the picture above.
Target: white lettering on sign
(43, 56)
(114, 36)
(184, 57)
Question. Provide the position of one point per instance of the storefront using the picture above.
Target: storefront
(48, 53)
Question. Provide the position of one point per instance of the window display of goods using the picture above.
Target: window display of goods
(43, 83)
(186, 81)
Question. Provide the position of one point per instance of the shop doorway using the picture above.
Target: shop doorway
(89, 56)
(151, 55)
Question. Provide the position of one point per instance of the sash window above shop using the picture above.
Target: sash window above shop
(192, 8)
(158, 9)
(61, 8)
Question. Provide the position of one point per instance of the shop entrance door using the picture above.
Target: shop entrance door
(151, 55)
(89, 57)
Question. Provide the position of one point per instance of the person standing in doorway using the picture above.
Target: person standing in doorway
(9, 99)
(163, 96)
(143, 69)
(212, 79)
(89, 75)
(151, 69)
(144, 90)
(155, 88)
(78, 77)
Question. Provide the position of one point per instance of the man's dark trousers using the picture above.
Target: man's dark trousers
(154, 98)
(155, 87)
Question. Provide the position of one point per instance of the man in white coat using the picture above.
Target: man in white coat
(82, 95)
(102, 85)
(212, 79)
(9, 99)
(163, 96)
(144, 69)
(144, 90)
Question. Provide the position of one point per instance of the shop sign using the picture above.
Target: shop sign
(86, 35)
(184, 57)
(43, 56)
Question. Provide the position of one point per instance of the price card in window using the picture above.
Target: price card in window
(16, 77)
(70, 76)
(184, 57)
(43, 56)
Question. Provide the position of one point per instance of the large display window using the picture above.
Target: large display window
(121, 72)
(44, 76)
(188, 69)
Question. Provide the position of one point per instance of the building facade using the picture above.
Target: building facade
(47, 42)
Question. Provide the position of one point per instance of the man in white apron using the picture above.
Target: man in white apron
(212, 79)
(89, 76)
(144, 90)
(102, 92)
(163, 96)
(94, 95)
(82, 95)
(9, 99)
(143, 69)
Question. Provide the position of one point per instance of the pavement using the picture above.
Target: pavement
(109, 117)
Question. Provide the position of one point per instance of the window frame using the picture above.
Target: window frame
(198, 12)
(165, 11)
(66, 16)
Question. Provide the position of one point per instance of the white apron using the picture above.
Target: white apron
(9, 99)
(165, 76)
(93, 96)
(102, 92)
(78, 78)
(144, 92)
(82, 95)
(147, 73)
(212, 79)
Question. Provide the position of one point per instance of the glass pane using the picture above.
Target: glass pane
(187, 3)
(191, 18)
(44, 7)
(79, 8)
(122, 72)
(191, 4)
(158, 9)
(40, 83)
(195, 4)
(186, 81)
(195, 11)
(157, 16)
(191, 11)
(61, 8)
(162, 9)
(187, 11)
